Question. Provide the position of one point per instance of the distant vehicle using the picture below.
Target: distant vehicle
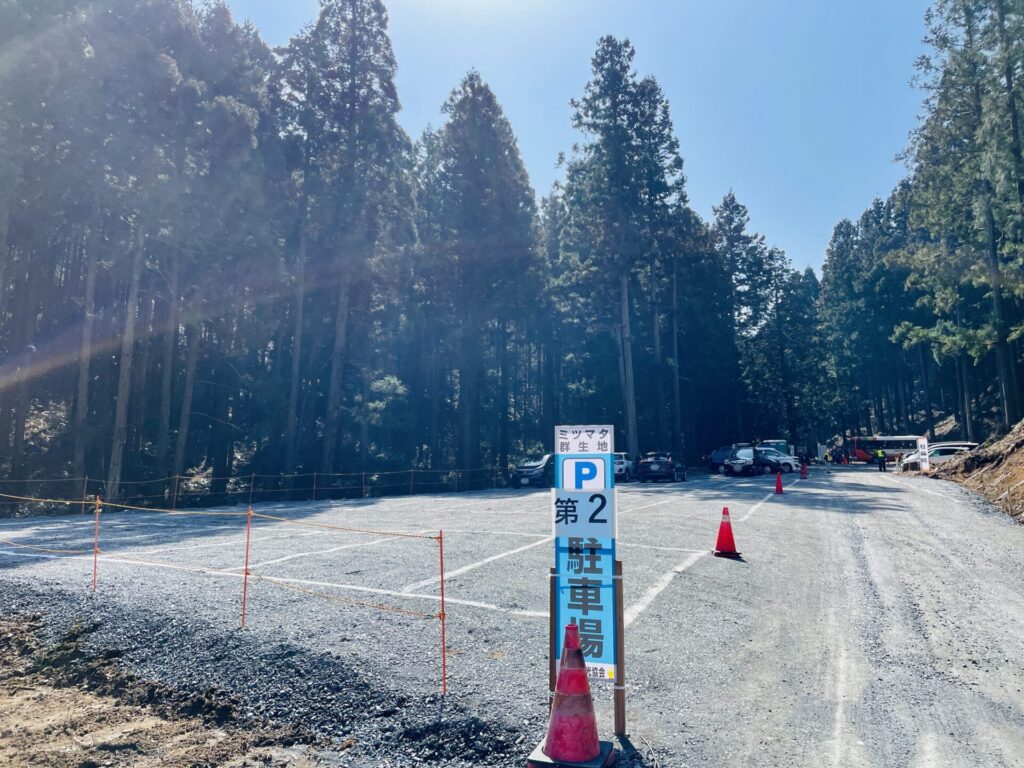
(625, 468)
(787, 461)
(538, 472)
(938, 453)
(895, 447)
(750, 461)
(779, 445)
(659, 465)
(718, 457)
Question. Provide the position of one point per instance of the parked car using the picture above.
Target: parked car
(659, 465)
(750, 461)
(535, 472)
(938, 453)
(625, 467)
(779, 445)
(787, 461)
(718, 457)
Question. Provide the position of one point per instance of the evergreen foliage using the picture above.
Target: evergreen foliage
(217, 258)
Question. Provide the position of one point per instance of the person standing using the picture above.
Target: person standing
(880, 455)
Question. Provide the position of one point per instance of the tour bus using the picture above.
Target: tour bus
(895, 446)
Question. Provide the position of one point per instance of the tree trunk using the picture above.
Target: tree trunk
(292, 420)
(24, 373)
(1007, 396)
(549, 408)
(167, 366)
(503, 403)
(678, 440)
(926, 391)
(434, 405)
(629, 388)
(334, 383)
(85, 354)
(193, 339)
(469, 394)
(968, 413)
(1011, 105)
(660, 423)
(125, 369)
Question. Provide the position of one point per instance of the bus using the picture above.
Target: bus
(895, 447)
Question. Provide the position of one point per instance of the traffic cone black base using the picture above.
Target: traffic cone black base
(606, 757)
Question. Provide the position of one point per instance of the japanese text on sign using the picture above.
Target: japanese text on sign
(585, 439)
(584, 513)
(585, 596)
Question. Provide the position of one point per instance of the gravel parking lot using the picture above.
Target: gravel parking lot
(874, 620)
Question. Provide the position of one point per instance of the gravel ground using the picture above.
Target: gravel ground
(874, 620)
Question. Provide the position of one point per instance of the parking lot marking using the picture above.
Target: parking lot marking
(222, 543)
(473, 566)
(651, 546)
(499, 533)
(648, 597)
(757, 506)
(648, 506)
(322, 551)
(329, 585)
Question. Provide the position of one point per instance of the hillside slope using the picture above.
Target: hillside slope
(995, 470)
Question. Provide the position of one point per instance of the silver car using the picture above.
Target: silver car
(789, 463)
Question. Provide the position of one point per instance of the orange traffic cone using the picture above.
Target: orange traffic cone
(572, 731)
(778, 483)
(725, 546)
(803, 471)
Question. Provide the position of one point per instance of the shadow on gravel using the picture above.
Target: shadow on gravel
(833, 501)
(128, 530)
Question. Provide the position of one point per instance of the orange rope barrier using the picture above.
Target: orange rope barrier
(10, 543)
(328, 526)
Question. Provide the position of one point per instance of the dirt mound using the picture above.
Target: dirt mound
(62, 708)
(995, 470)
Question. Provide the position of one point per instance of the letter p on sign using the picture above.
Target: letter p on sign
(583, 474)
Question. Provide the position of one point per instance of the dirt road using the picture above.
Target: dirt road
(875, 620)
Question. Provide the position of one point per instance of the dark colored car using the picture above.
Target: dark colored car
(750, 461)
(718, 456)
(659, 465)
(536, 472)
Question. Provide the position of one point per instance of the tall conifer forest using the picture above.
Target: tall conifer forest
(219, 260)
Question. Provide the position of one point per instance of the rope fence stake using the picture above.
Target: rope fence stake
(314, 486)
(96, 543)
(245, 572)
(85, 494)
(444, 649)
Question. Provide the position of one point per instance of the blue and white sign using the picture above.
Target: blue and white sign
(589, 438)
(580, 472)
(585, 528)
(585, 596)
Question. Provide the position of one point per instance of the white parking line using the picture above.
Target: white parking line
(499, 533)
(334, 585)
(757, 506)
(648, 506)
(648, 597)
(321, 551)
(472, 566)
(651, 546)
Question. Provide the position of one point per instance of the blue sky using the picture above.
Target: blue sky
(798, 106)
